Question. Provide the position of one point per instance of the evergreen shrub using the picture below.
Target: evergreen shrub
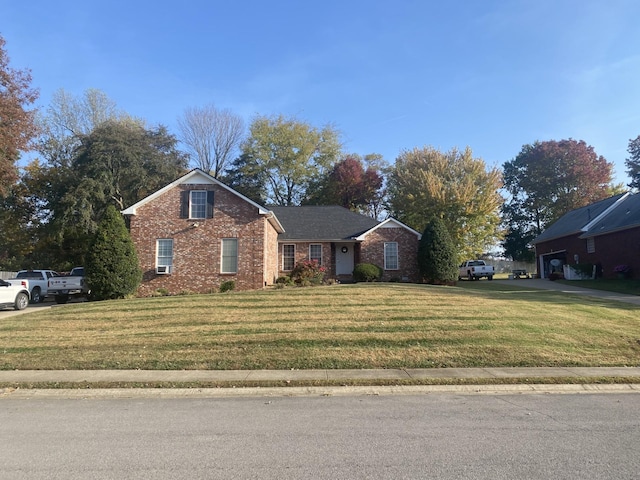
(112, 269)
(367, 272)
(227, 286)
(437, 260)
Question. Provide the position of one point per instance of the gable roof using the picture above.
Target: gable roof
(321, 223)
(625, 215)
(329, 223)
(581, 220)
(389, 223)
(199, 176)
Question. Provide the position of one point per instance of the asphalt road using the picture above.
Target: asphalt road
(443, 436)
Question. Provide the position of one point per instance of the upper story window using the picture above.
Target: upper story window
(391, 256)
(315, 252)
(197, 204)
(591, 245)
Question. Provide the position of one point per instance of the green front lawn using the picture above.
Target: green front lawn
(341, 326)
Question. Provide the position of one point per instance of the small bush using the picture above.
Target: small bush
(367, 272)
(555, 276)
(284, 280)
(308, 272)
(227, 286)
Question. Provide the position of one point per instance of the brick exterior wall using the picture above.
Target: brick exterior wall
(618, 248)
(302, 254)
(197, 250)
(372, 251)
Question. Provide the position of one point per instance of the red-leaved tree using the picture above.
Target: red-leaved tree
(17, 125)
(349, 185)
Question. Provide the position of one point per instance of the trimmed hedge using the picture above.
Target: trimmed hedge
(367, 272)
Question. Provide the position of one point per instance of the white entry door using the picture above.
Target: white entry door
(344, 258)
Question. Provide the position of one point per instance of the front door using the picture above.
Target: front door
(344, 258)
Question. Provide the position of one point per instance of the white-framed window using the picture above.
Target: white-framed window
(315, 252)
(164, 255)
(229, 261)
(391, 256)
(198, 204)
(591, 245)
(288, 257)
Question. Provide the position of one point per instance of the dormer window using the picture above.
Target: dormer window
(197, 204)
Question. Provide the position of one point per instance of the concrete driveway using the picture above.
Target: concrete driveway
(10, 312)
(545, 284)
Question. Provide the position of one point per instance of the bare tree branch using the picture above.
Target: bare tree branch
(211, 136)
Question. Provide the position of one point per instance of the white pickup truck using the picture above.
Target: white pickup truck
(475, 270)
(36, 281)
(66, 286)
(11, 295)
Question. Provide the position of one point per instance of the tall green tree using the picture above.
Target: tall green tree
(118, 164)
(453, 186)
(545, 181)
(289, 154)
(112, 267)
(350, 185)
(252, 186)
(633, 162)
(17, 121)
(437, 257)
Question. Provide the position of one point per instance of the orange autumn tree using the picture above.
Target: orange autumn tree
(17, 125)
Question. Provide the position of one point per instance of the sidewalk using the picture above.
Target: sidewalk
(319, 376)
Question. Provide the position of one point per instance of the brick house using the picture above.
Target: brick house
(196, 233)
(605, 234)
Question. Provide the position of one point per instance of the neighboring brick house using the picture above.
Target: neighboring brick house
(605, 234)
(196, 233)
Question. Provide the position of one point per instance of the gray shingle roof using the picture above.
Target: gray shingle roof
(625, 215)
(576, 220)
(321, 223)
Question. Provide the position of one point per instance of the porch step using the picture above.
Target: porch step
(345, 279)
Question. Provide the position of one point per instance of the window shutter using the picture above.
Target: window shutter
(210, 204)
(184, 204)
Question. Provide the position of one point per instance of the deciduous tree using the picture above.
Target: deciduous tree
(453, 186)
(69, 118)
(545, 181)
(349, 185)
(290, 155)
(119, 163)
(211, 136)
(17, 121)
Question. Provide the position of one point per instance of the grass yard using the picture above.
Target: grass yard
(340, 326)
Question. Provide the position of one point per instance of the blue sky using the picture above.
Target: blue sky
(390, 75)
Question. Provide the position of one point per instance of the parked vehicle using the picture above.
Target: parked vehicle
(65, 287)
(475, 270)
(36, 281)
(11, 295)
